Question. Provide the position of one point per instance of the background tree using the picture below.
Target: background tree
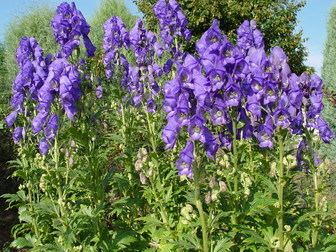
(329, 78)
(276, 19)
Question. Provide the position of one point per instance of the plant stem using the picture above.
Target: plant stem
(151, 130)
(123, 127)
(235, 167)
(280, 193)
(202, 218)
(199, 205)
(316, 201)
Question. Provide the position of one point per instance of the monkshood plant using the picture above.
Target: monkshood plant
(143, 146)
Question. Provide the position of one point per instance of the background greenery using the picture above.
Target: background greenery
(329, 78)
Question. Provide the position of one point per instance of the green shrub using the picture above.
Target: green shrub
(329, 78)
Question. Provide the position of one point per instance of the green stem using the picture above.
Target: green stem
(316, 201)
(123, 128)
(151, 130)
(199, 205)
(235, 167)
(202, 218)
(280, 193)
(59, 189)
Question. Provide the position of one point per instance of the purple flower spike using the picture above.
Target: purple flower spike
(115, 38)
(69, 25)
(172, 21)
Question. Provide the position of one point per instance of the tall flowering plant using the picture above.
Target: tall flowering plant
(197, 150)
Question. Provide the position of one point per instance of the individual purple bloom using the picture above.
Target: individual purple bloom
(151, 106)
(211, 145)
(185, 161)
(99, 92)
(170, 133)
(232, 95)
(51, 127)
(211, 39)
(197, 130)
(253, 106)
(325, 132)
(297, 124)
(264, 136)
(299, 154)
(11, 118)
(39, 121)
(44, 146)
(226, 140)
(18, 134)
(218, 112)
(281, 118)
(69, 25)
(270, 94)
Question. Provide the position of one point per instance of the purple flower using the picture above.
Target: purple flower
(11, 118)
(51, 127)
(325, 133)
(210, 40)
(170, 133)
(69, 25)
(39, 121)
(99, 92)
(18, 134)
(184, 163)
(172, 22)
(115, 38)
(44, 146)
(249, 36)
(264, 136)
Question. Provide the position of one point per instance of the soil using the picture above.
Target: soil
(8, 217)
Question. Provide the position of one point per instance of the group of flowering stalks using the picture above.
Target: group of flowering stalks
(140, 79)
(43, 82)
(232, 92)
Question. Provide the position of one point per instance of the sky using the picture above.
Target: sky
(313, 20)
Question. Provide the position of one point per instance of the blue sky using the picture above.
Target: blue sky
(313, 20)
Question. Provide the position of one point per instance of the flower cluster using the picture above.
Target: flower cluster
(140, 80)
(173, 22)
(115, 38)
(32, 73)
(69, 25)
(239, 92)
(63, 81)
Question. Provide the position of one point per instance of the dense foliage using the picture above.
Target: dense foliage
(329, 77)
(277, 19)
(149, 147)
